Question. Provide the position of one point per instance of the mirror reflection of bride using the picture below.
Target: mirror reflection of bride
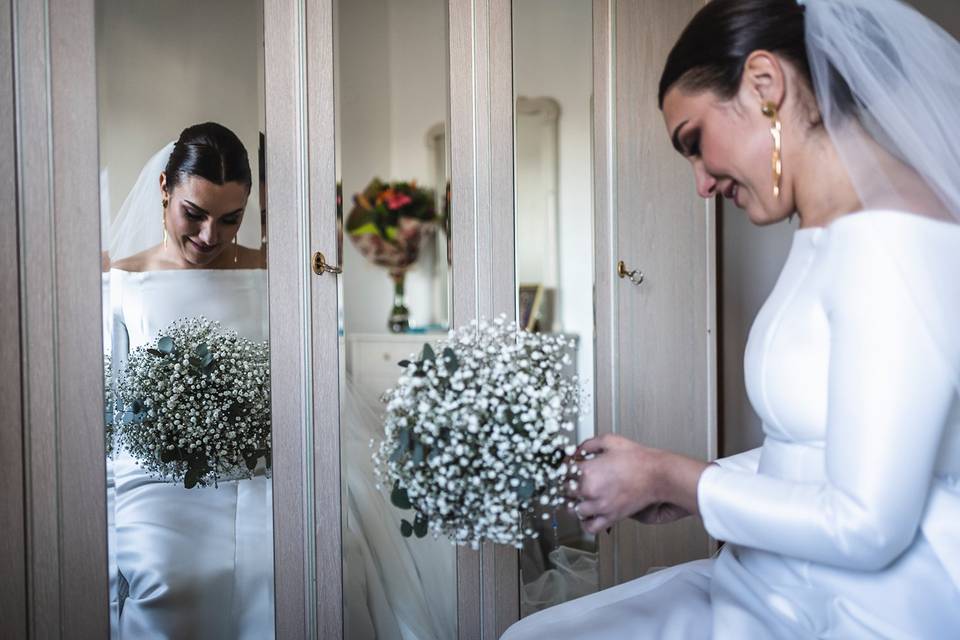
(189, 563)
(198, 563)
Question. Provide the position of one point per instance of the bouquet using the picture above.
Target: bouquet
(477, 435)
(388, 222)
(195, 404)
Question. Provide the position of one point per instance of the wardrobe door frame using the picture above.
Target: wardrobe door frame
(53, 496)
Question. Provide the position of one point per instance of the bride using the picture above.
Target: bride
(846, 522)
(198, 563)
(190, 563)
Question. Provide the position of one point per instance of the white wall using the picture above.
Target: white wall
(162, 66)
(751, 261)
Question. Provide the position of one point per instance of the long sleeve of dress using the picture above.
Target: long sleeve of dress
(746, 461)
(890, 388)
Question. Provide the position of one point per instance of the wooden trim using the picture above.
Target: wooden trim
(463, 230)
(294, 569)
(605, 229)
(77, 283)
(496, 238)
(13, 566)
(325, 366)
(59, 247)
(481, 125)
(37, 313)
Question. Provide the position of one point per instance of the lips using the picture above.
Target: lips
(202, 248)
(731, 192)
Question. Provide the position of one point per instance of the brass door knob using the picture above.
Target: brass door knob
(320, 265)
(635, 276)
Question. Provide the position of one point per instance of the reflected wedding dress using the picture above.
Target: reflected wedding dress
(846, 522)
(197, 563)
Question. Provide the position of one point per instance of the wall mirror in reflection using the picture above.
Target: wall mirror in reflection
(186, 351)
(392, 100)
(553, 120)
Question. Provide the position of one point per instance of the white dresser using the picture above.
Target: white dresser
(372, 358)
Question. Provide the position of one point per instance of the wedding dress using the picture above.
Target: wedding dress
(197, 563)
(846, 522)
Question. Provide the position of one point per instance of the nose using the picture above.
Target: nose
(706, 183)
(208, 232)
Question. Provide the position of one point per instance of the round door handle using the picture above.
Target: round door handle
(635, 275)
(320, 265)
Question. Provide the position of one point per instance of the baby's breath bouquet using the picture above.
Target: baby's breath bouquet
(195, 404)
(477, 433)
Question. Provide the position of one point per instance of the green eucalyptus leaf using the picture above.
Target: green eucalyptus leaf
(251, 462)
(450, 360)
(206, 360)
(404, 363)
(202, 350)
(406, 529)
(192, 478)
(399, 497)
(420, 526)
(398, 453)
(418, 453)
(403, 437)
(525, 490)
(165, 345)
(428, 353)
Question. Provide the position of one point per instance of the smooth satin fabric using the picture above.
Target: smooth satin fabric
(198, 562)
(846, 522)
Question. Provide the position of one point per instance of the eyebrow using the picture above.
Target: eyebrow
(676, 138)
(205, 212)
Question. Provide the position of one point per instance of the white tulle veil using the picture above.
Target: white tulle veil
(894, 116)
(887, 81)
(137, 224)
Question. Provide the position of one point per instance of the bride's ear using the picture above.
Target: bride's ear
(163, 184)
(763, 79)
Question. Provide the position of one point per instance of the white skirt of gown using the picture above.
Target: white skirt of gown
(198, 562)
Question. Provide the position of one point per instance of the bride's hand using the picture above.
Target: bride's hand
(621, 478)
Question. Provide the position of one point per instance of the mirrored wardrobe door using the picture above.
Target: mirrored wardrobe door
(553, 111)
(186, 309)
(393, 193)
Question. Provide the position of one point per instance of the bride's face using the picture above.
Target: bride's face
(203, 218)
(730, 147)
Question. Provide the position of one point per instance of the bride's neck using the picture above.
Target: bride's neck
(823, 188)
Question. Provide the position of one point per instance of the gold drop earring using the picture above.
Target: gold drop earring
(163, 223)
(776, 130)
(236, 249)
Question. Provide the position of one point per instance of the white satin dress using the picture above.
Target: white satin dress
(846, 522)
(198, 562)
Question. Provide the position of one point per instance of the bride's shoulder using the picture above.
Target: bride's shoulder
(908, 231)
(136, 263)
(248, 258)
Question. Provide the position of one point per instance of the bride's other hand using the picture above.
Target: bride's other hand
(621, 478)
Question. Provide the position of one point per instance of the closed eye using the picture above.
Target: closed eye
(691, 145)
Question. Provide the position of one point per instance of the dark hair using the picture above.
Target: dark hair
(209, 151)
(713, 49)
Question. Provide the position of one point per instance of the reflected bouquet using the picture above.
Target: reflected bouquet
(194, 405)
(388, 222)
(478, 432)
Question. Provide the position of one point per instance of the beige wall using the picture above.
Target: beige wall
(162, 66)
(751, 259)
